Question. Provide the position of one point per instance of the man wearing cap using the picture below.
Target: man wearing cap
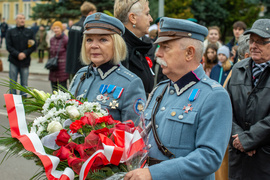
(189, 115)
(249, 150)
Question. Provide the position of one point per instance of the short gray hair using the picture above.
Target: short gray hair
(243, 46)
(196, 43)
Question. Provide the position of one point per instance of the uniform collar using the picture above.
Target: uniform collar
(188, 80)
(106, 69)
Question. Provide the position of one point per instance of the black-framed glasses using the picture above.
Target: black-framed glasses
(261, 42)
(132, 5)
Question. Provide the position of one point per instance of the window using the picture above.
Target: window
(27, 10)
(16, 10)
(6, 11)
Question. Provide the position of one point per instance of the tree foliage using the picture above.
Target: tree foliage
(178, 9)
(224, 13)
(66, 9)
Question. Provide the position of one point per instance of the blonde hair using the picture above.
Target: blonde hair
(123, 7)
(87, 7)
(119, 50)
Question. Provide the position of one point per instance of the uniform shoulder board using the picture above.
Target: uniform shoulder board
(210, 82)
(126, 73)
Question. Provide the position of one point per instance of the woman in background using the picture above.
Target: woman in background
(135, 16)
(58, 41)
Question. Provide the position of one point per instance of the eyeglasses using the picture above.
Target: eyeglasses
(251, 41)
(132, 5)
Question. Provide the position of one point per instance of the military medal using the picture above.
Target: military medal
(192, 97)
(117, 92)
(114, 104)
(188, 108)
(102, 89)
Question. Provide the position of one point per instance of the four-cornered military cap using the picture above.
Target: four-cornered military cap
(171, 28)
(100, 23)
(261, 27)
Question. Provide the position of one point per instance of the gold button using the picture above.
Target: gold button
(173, 113)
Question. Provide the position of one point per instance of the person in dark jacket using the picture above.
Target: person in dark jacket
(20, 42)
(136, 18)
(248, 87)
(4, 28)
(75, 35)
(59, 41)
(238, 28)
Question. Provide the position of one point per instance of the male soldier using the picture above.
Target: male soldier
(249, 152)
(75, 35)
(189, 114)
(20, 43)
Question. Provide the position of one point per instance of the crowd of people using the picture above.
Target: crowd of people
(205, 102)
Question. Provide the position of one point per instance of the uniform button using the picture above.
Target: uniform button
(85, 90)
(173, 113)
(149, 146)
(146, 114)
(204, 79)
(156, 126)
(172, 92)
(180, 117)
(163, 109)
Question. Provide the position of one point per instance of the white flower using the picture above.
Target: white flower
(73, 112)
(54, 126)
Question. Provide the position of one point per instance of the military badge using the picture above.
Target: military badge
(139, 105)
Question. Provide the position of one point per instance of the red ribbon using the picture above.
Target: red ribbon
(122, 150)
(149, 61)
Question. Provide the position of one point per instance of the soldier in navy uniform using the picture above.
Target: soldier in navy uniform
(105, 80)
(189, 116)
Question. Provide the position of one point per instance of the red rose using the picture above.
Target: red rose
(63, 153)
(104, 131)
(107, 119)
(62, 138)
(75, 126)
(75, 163)
(89, 118)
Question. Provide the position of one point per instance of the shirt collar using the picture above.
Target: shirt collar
(106, 69)
(188, 80)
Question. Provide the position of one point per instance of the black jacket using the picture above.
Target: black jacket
(17, 41)
(251, 121)
(136, 62)
(75, 37)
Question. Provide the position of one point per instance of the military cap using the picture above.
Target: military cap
(261, 27)
(171, 28)
(100, 23)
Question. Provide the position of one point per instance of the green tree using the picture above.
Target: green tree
(66, 9)
(178, 9)
(224, 13)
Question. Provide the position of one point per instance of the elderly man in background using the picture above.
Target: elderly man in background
(249, 87)
(20, 42)
(189, 115)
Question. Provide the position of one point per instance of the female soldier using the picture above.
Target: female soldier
(134, 14)
(105, 80)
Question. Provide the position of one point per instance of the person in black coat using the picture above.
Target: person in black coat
(136, 18)
(20, 42)
(75, 35)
